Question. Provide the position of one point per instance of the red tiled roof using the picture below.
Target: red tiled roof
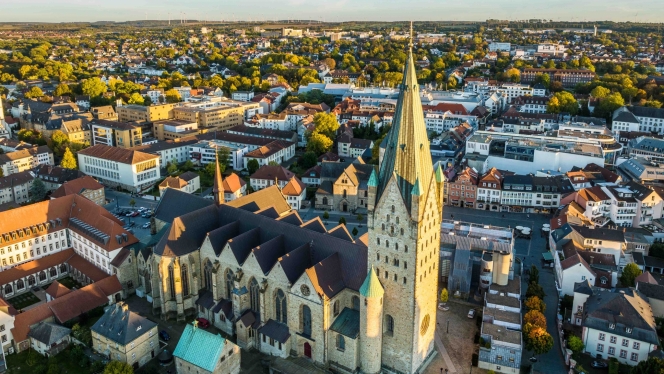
(56, 289)
(76, 186)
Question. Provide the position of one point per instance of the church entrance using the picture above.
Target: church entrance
(307, 350)
(344, 207)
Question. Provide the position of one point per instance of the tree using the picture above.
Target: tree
(534, 274)
(172, 167)
(319, 143)
(61, 90)
(556, 86)
(136, 98)
(544, 79)
(535, 318)
(34, 93)
(188, 165)
(575, 344)
(608, 105)
(535, 289)
(326, 124)
(653, 365)
(68, 160)
(132, 203)
(444, 296)
(172, 96)
(326, 215)
(539, 341)
(342, 221)
(37, 190)
(360, 217)
(629, 93)
(514, 75)
(252, 166)
(630, 272)
(93, 87)
(355, 232)
(535, 303)
(118, 367)
(562, 102)
(309, 160)
(600, 92)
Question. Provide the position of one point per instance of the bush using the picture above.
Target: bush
(475, 359)
(614, 366)
(575, 344)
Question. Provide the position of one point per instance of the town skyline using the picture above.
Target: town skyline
(367, 10)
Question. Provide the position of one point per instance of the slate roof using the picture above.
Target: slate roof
(121, 325)
(200, 348)
(347, 323)
(48, 333)
(600, 233)
(650, 290)
(583, 287)
(275, 330)
(624, 309)
(176, 203)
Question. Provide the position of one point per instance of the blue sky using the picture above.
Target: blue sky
(332, 10)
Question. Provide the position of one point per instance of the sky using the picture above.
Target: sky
(332, 10)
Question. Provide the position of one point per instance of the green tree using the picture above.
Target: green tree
(608, 105)
(37, 190)
(118, 367)
(535, 289)
(68, 160)
(326, 215)
(653, 365)
(575, 344)
(535, 303)
(34, 93)
(224, 155)
(61, 90)
(132, 203)
(444, 296)
(319, 143)
(534, 274)
(342, 221)
(355, 232)
(544, 79)
(539, 341)
(326, 124)
(514, 75)
(172, 167)
(252, 166)
(562, 102)
(630, 272)
(172, 96)
(93, 87)
(136, 98)
(360, 217)
(309, 159)
(600, 92)
(188, 165)
(629, 93)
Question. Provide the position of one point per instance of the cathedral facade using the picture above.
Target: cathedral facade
(288, 287)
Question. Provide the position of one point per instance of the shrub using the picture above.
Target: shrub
(614, 366)
(475, 359)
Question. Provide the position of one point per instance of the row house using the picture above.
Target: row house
(531, 104)
(488, 190)
(530, 194)
(25, 159)
(463, 189)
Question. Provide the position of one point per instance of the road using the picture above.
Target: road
(119, 200)
(530, 252)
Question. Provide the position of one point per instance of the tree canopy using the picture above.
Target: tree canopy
(629, 274)
(562, 102)
(68, 160)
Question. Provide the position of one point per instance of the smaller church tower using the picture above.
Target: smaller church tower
(371, 324)
(440, 185)
(371, 198)
(218, 188)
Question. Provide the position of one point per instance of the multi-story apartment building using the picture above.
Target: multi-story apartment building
(594, 202)
(568, 77)
(489, 188)
(531, 104)
(125, 336)
(463, 189)
(85, 186)
(646, 147)
(116, 134)
(140, 113)
(219, 114)
(171, 129)
(529, 194)
(623, 205)
(15, 188)
(499, 47)
(112, 166)
(514, 90)
(650, 119)
(25, 159)
(268, 175)
(54, 176)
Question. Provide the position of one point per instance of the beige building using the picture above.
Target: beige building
(15, 188)
(25, 159)
(287, 287)
(188, 182)
(125, 336)
(140, 113)
(343, 186)
(116, 134)
(85, 186)
(217, 115)
(171, 129)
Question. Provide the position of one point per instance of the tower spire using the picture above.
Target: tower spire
(218, 189)
(410, 43)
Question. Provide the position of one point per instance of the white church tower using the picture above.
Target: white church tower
(404, 235)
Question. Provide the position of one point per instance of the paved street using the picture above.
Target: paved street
(118, 200)
(530, 251)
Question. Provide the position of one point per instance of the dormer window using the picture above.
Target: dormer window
(612, 326)
(628, 330)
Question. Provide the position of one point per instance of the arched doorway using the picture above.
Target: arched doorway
(344, 206)
(307, 350)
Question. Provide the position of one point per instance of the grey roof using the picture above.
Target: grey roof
(651, 291)
(121, 325)
(655, 262)
(275, 330)
(647, 143)
(626, 116)
(48, 333)
(176, 203)
(600, 233)
(206, 300)
(347, 323)
(226, 306)
(642, 111)
(583, 287)
(622, 310)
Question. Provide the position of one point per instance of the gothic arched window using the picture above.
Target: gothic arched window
(208, 275)
(20, 284)
(31, 281)
(8, 289)
(42, 276)
(63, 268)
(306, 321)
(281, 306)
(335, 308)
(254, 295)
(53, 271)
(356, 303)
(184, 274)
(171, 281)
(389, 325)
(229, 283)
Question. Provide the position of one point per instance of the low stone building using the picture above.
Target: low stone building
(125, 336)
(343, 186)
(49, 339)
(188, 182)
(85, 186)
(201, 352)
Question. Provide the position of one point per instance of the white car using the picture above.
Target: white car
(443, 307)
(471, 313)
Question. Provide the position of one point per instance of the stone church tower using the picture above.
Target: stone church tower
(404, 227)
(218, 188)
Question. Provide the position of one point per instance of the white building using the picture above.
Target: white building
(514, 90)
(112, 166)
(25, 159)
(498, 46)
(276, 151)
(649, 119)
(203, 153)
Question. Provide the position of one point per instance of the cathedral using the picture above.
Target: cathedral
(289, 287)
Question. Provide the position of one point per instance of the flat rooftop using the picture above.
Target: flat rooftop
(501, 315)
(502, 300)
(500, 333)
(513, 286)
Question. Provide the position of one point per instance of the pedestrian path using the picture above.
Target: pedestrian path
(443, 352)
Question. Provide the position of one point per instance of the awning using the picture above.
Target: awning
(547, 256)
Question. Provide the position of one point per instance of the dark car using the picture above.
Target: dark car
(203, 323)
(163, 335)
(599, 365)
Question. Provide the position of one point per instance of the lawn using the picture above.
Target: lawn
(31, 362)
(70, 283)
(24, 300)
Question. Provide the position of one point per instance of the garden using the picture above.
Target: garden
(23, 301)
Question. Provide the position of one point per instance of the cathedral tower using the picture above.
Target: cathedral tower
(404, 227)
(371, 323)
(218, 188)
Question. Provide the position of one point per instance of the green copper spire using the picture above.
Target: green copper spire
(371, 286)
(373, 179)
(439, 174)
(416, 188)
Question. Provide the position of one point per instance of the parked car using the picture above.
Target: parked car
(443, 307)
(471, 313)
(203, 323)
(146, 225)
(163, 335)
(129, 214)
(142, 208)
(136, 213)
(146, 215)
(599, 365)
